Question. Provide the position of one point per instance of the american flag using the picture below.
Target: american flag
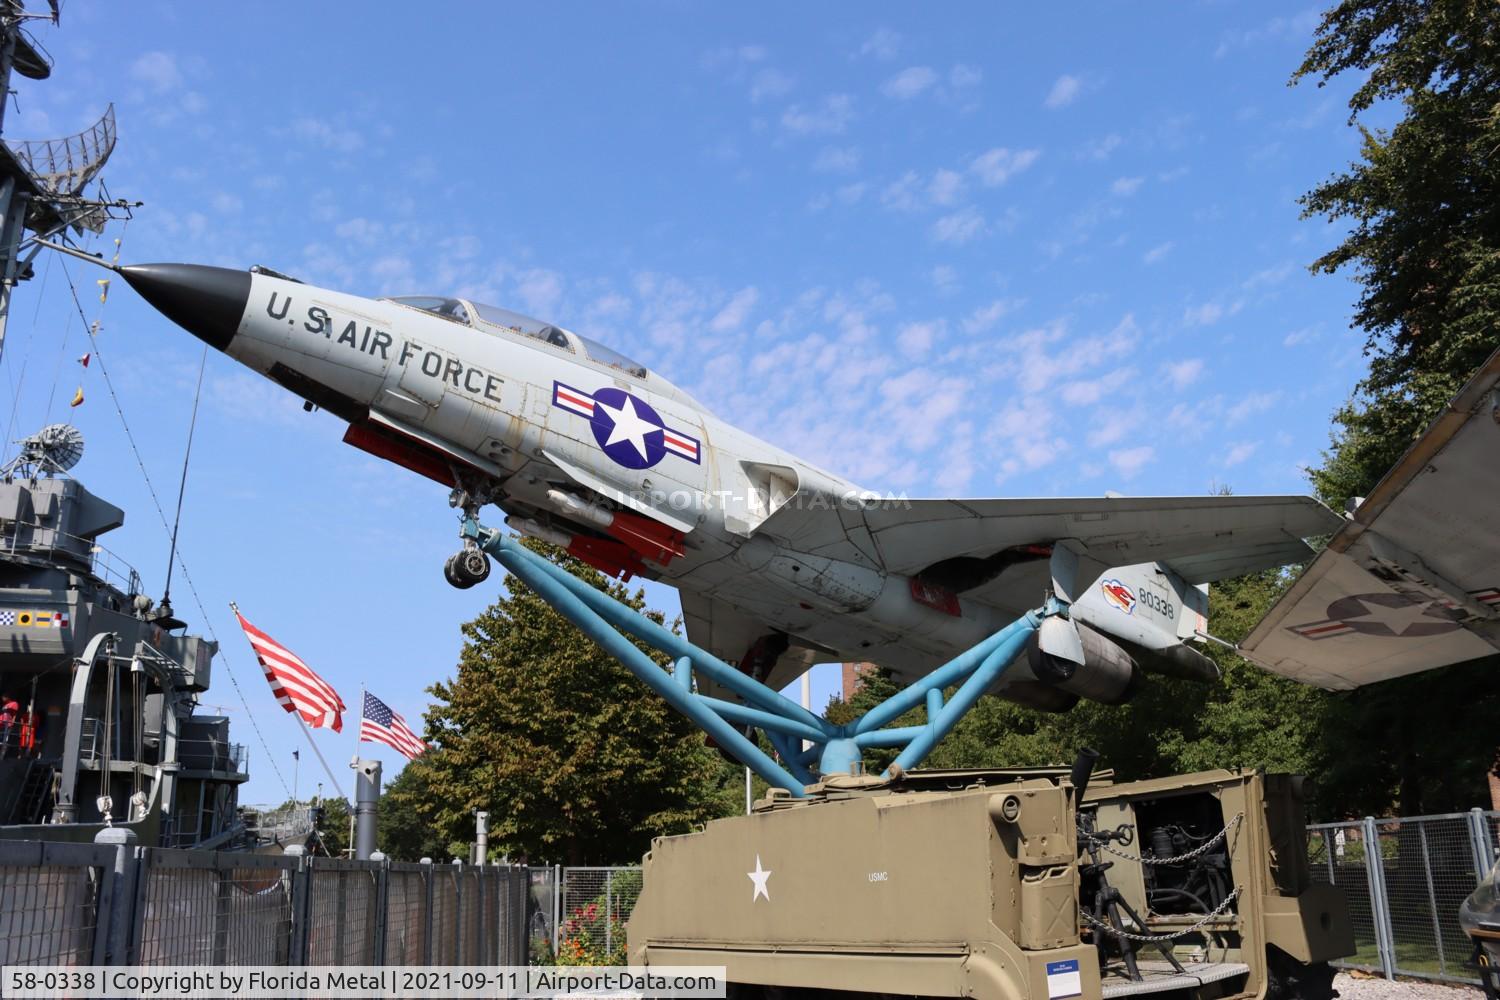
(380, 725)
(296, 686)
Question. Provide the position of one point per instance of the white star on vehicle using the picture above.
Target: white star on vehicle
(759, 877)
(629, 426)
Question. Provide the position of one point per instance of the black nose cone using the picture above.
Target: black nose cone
(208, 302)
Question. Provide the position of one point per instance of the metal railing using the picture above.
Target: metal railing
(60, 546)
(1404, 879)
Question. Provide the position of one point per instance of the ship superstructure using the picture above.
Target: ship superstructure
(103, 683)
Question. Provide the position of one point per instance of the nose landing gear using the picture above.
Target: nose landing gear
(467, 568)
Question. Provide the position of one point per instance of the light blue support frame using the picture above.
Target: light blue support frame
(834, 749)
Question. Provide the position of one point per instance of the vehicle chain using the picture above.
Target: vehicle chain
(1179, 859)
(1156, 938)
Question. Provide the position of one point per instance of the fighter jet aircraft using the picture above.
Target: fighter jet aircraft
(780, 564)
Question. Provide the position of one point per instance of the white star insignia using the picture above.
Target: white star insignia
(759, 877)
(628, 426)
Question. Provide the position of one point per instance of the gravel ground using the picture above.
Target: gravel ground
(1351, 988)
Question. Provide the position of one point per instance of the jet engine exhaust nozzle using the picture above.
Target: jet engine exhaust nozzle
(1103, 672)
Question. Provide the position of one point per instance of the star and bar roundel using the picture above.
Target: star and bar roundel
(1390, 616)
(629, 430)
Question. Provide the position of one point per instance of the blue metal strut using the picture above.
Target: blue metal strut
(835, 749)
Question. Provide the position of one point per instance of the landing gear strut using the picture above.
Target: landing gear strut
(471, 566)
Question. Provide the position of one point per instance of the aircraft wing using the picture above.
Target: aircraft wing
(1412, 581)
(1201, 538)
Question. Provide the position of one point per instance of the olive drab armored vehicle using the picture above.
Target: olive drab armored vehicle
(1026, 884)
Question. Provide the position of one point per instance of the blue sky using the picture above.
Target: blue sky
(1000, 251)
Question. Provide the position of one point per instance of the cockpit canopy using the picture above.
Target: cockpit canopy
(483, 317)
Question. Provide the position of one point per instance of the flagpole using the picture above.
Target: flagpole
(328, 770)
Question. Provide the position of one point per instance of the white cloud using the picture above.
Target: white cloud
(945, 187)
(830, 116)
(837, 159)
(769, 83)
(1249, 406)
(944, 278)
(1269, 277)
(1126, 186)
(1157, 252)
(909, 82)
(1100, 149)
(328, 136)
(539, 290)
(1206, 314)
(1085, 392)
(226, 203)
(1239, 452)
(732, 316)
(157, 70)
(248, 397)
(959, 227)
(1298, 27)
(901, 194)
(883, 44)
(1064, 92)
(915, 339)
(985, 317)
(851, 193)
(996, 166)
(1184, 373)
(1302, 335)
(962, 75)
(1129, 461)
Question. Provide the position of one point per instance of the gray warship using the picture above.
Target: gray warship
(100, 684)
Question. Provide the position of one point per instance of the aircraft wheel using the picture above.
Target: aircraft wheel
(476, 565)
(465, 569)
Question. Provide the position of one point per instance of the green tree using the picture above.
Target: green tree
(1423, 209)
(404, 834)
(575, 759)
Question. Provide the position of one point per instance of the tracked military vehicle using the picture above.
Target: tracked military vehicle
(1018, 884)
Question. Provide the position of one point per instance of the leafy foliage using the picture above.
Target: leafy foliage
(1423, 207)
(574, 759)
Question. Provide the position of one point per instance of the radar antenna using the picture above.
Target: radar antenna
(51, 451)
(43, 184)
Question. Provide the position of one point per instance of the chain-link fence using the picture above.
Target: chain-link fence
(99, 904)
(51, 900)
(596, 902)
(1404, 880)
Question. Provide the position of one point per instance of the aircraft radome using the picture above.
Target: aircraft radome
(780, 564)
